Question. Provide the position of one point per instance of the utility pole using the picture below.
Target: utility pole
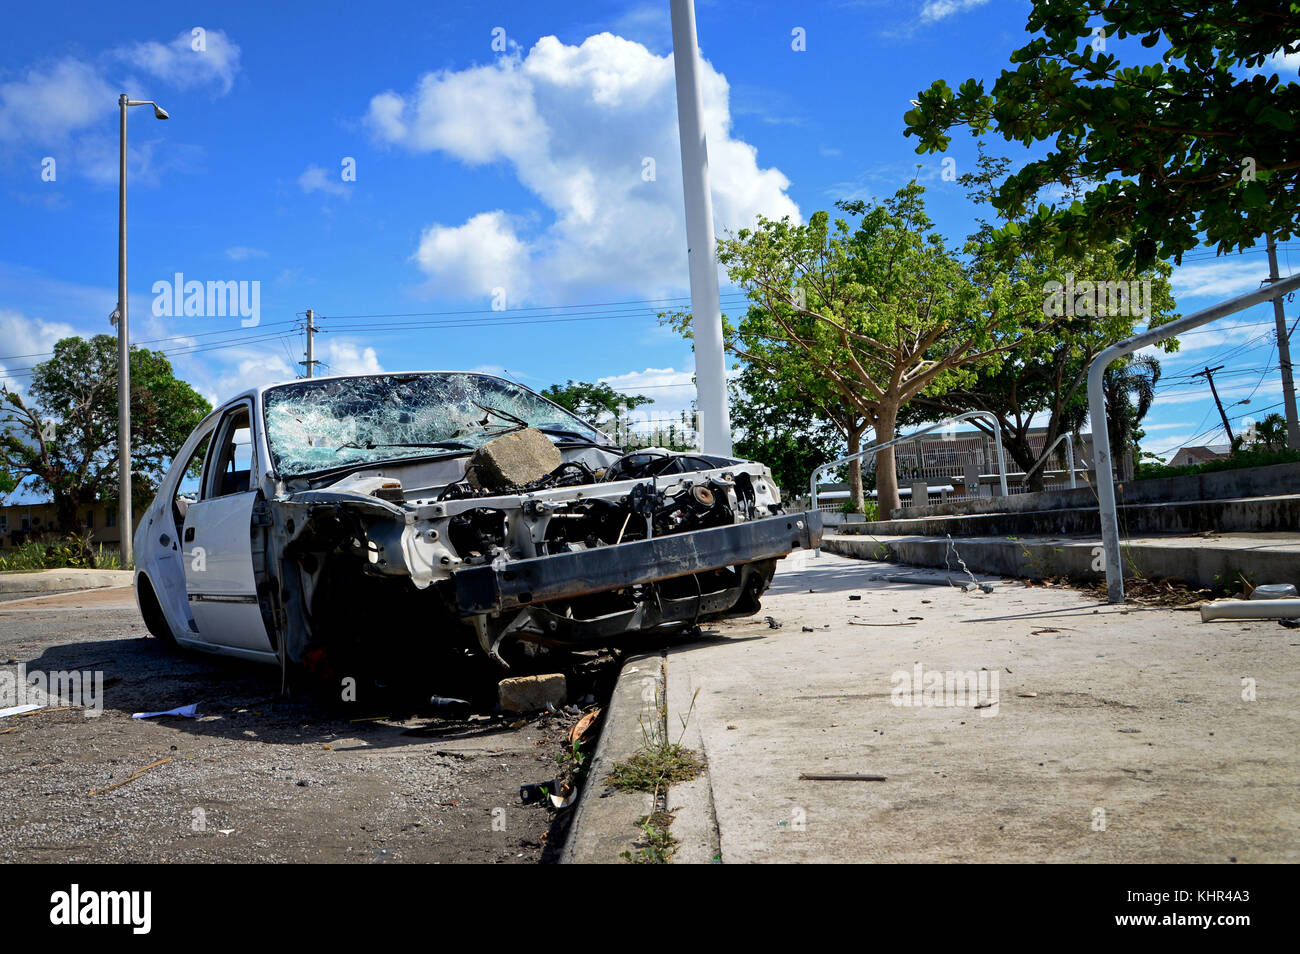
(1283, 353)
(706, 309)
(1208, 374)
(311, 361)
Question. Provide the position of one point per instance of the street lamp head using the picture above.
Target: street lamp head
(159, 112)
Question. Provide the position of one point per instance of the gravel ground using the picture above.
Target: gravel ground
(258, 777)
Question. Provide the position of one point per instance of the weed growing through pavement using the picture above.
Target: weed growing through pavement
(658, 766)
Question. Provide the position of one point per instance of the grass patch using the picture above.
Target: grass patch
(657, 768)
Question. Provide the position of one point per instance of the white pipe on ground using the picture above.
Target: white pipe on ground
(1250, 609)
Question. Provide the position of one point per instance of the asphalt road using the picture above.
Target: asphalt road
(258, 777)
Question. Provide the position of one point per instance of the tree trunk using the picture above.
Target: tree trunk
(886, 467)
(855, 470)
(67, 510)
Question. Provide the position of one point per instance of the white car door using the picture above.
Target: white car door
(218, 542)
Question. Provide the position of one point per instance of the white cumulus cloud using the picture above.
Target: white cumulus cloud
(48, 103)
(188, 60)
(591, 131)
(934, 10)
(315, 178)
(27, 342)
(1218, 279)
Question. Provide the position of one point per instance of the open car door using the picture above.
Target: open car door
(219, 539)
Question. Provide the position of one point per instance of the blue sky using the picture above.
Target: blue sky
(501, 156)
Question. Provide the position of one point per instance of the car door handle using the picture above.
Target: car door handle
(189, 534)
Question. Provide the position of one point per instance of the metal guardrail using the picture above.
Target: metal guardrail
(1069, 457)
(997, 442)
(1097, 412)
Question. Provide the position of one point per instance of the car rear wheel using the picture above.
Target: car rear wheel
(152, 612)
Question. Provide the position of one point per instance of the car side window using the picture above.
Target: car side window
(187, 488)
(232, 462)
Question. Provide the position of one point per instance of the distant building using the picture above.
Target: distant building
(1199, 454)
(20, 522)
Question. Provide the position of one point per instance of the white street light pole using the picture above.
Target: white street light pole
(706, 309)
(124, 346)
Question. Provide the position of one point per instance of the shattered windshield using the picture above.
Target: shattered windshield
(319, 425)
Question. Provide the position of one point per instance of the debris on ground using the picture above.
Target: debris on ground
(580, 729)
(806, 777)
(188, 712)
(450, 708)
(19, 710)
(521, 694)
(772, 623)
(130, 778)
(1273, 591)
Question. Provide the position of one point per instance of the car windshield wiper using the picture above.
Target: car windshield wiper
(449, 445)
(502, 414)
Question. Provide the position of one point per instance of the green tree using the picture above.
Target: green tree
(1130, 389)
(65, 439)
(1194, 144)
(597, 403)
(1100, 302)
(783, 426)
(877, 313)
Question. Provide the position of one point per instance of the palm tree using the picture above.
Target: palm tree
(1130, 390)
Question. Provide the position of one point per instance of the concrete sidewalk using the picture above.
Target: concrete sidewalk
(1115, 734)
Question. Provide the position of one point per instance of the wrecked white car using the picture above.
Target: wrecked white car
(385, 515)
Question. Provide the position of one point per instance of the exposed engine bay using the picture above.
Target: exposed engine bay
(501, 565)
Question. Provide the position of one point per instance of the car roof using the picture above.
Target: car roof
(257, 392)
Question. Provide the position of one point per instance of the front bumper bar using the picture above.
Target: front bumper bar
(487, 589)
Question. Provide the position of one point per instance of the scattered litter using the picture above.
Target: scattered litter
(534, 793)
(578, 731)
(858, 622)
(772, 623)
(806, 777)
(448, 707)
(130, 778)
(1274, 591)
(1027, 695)
(809, 629)
(189, 712)
(1045, 629)
(855, 597)
(19, 710)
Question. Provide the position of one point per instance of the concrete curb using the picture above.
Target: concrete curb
(1267, 558)
(695, 824)
(605, 819)
(46, 582)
